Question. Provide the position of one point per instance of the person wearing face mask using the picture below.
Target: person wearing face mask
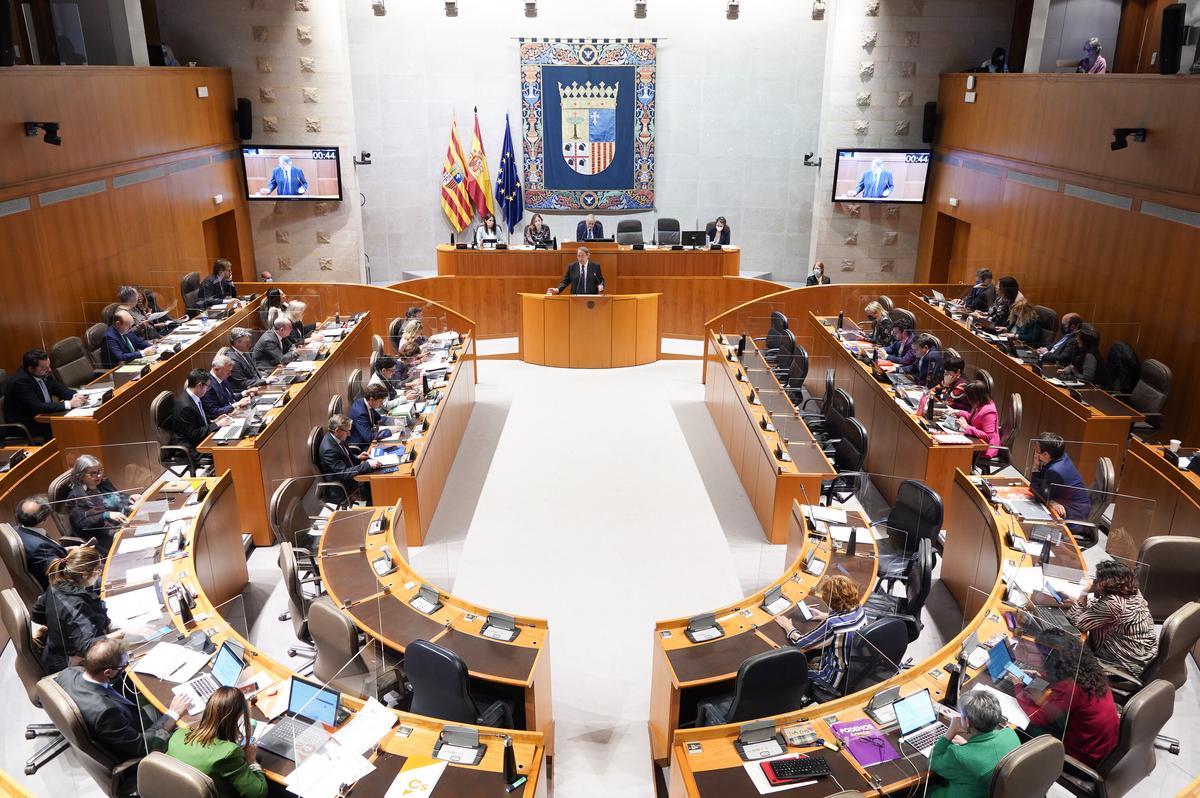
(952, 388)
(71, 609)
(817, 277)
(1062, 351)
(718, 232)
(881, 325)
(97, 508)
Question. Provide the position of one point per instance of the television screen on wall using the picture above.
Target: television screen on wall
(292, 173)
(892, 176)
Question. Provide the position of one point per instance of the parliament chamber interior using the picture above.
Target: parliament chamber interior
(816, 372)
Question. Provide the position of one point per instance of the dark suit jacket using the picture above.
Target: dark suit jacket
(298, 181)
(817, 280)
(980, 298)
(74, 618)
(366, 423)
(1061, 482)
(245, 372)
(1062, 351)
(23, 401)
(219, 398)
(114, 351)
(114, 722)
(581, 231)
(214, 290)
(40, 551)
(589, 284)
(87, 511)
(338, 465)
(928, 370)
(711, 235)
(270, 351)
(188, 426)
(871, 188)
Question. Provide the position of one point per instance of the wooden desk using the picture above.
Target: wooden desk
(590, 332)
(394, 750)
(123, 423)
(259, 463)
(1154, 497)
(715, 770)
(30, 476)
(419, 485)
(684, 673)
(771, 485)
(616, 261)
(899, 446)
(1097, 429)
(380, 607)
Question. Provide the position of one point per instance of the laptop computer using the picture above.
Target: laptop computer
(226, 672)
(308, 703)
(896, 378)
(919, 724)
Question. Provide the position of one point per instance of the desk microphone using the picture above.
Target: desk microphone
(955, 671)
(852, 544)
(512, 780)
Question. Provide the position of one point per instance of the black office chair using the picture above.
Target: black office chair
(917, 515)
(354, 383)
(189, 289)
(919, 581)
(1048, 324)
(875, 654)
(1123, 367)
(823, 401)
(1100, 496)
(668, 232)
(774, 337)
(1149, 396)
(335, 406)
(769, 683)
(1010, 424)
(828, 429)
(784, 355)
(849, 454)
(170, 456)
(441, 688)
(797, 373)
(328, 491)
(629, 231)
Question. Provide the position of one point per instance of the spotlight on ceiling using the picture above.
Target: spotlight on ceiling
(639, 9)
(451, 8)
(379, 7)
(1121, 136)
(732, 11)
(50, 128)
(531, 8)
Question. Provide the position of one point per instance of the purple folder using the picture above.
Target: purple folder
(864, 742)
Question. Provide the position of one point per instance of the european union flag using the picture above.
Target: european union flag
(509, 197)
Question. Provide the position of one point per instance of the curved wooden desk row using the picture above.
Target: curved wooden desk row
(211, 544)
(704, 762)
(381, 607)
(1149, 475)
(590, 332)
(616, 261)
(771, 484)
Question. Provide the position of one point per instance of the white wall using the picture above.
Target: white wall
(737, 107)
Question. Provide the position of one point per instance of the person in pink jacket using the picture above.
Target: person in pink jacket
(981, 420)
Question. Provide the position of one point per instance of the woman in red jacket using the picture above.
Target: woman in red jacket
(981, 420)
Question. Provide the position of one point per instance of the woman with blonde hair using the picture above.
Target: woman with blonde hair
(832, 637)
(220, 746)
(1023, 321)
(537, 233)
(70, 609)
(881, 332)
(295, 313)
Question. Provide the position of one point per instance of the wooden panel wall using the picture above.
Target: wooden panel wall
(66, 258)
(1129, 272)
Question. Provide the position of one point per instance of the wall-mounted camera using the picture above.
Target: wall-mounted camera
(363, 159)
(808, 160)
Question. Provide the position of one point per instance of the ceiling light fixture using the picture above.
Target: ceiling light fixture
(451, 8)
(732, 11)
(531, 8)
(639, 9)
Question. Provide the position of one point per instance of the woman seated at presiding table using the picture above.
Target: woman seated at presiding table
(537, 233)
(817, 275)
(488, 234)
(1116, 619)
(96, 507)
(832, 636)
(220, 746)
(1078, 706)
(980, 419)
(71, 609)
(964, 769)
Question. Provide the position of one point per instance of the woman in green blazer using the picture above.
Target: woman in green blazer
(211, 746)
(966, 769)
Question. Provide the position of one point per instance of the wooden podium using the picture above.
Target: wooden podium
(590, 332)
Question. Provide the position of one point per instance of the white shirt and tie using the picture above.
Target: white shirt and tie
(199, 406)
(41, 384)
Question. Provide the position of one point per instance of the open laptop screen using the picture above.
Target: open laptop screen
(227, 668)
(914, 712)
(309, 700)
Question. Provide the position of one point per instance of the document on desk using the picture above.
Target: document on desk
(81, 412)
(419, 776)
(171, 663)
(180, 514)
(368, 726)
(134, 608)
(139, 543)
(830, 515)
(842, 534)
(387, 460)
(322, 774)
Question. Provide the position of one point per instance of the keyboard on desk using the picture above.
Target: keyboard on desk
(280, 739)
(925, 738)
(797, 769)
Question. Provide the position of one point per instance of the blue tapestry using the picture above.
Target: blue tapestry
(587, 108)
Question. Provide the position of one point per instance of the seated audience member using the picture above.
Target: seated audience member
(952, 389)
(881, 324)
(274, 303)
(121, 343)
(124, 729)
(981, 295)
(589, 229)
(900, 350)
(338, 464)
(1078, 706)
(399, 391)
(97, 508)
(1116, 619)
(965, 770)
(997, 314)
(488, 234)
(998, 63)
(33, 391)
(1062, 351)
(190, 423)
(817, 275)
(366, 418)
(244, 375)
(274, 347)
(537, 233)
(221, 746)
(1055, 479)
(222, 398)
(265, 277)
(300, 331)
(71, 609)
(981, 419)
(927, 369)
(1088, 364)
(1023, 322)
(130, 299)
(718, 233)
(1092, 62)
(833, 636)
(218, 286)
(40, 548)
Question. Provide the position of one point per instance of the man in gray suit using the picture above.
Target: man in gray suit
(273, 347)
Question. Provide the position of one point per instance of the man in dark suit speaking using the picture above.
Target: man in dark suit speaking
(286, 180)
(583, 276)
(875, 184)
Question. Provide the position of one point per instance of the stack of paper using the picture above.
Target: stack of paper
(322, 774)
(171, 662)
(366, 728)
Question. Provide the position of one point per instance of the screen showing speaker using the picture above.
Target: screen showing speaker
(292, 173)
(892, 176)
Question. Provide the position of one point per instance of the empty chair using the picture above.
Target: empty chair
(395, 329)
(824, 401)
(849, 454)
(1178, 635)
(874, 656)
(769, 683)
(113, 777)
(917, 584)
(629, 231)
(335, 405)
(900, 314)
(1149, 395)
(1010, 424)
(189, 289)
(985, 376)
(441, 688)
(15, 616)
(163, 776)
(70, 363)
(342, 661)
(299, 600)
(1169, 564)
(785, 353)
(797, 373)
(916, 516)
(828, 429)
(1123, 367)
(668, 232)
(1029, 769)
(179, 460)
(110, 310)
(1100, 496)
(377, 344)
(289, 517)
(1134, 758)
(1048, 324)
(93, 342)
(354, 383)
(775, 335)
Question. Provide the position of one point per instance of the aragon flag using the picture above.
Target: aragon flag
(456, 202)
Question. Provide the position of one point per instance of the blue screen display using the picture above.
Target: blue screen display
(311, 701)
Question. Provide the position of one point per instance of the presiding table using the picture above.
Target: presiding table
(596, 331)
(617, 261)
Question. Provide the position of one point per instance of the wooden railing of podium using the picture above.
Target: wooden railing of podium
(590, 332)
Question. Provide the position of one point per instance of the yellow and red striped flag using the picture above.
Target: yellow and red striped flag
(456, 202)
(479, 181)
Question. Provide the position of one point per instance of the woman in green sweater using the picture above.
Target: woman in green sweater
(211, 746)
(966, 769)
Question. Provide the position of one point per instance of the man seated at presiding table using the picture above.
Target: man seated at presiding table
(222, 398)
(121, 343)
(963, 761)
(365, 417)
(218, 286)
(114, 723)
(338, 464)
(832, 637)
(190, 422)
(1055, 479)
(952, 389)
(589, 229)
(244, 375)
(212, 746)
(1116, 618)
(33, 391)
(583, 276)
(97, 509)
(274, 346)
(1062, 351)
